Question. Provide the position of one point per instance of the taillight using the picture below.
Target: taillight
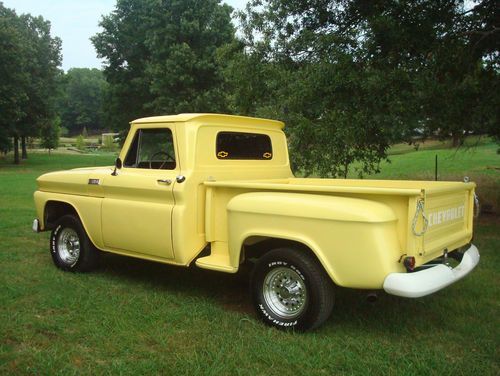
(409, 263)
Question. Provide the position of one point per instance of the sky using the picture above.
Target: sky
(75, 21)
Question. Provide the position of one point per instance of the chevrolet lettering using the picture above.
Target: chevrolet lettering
(447, 215)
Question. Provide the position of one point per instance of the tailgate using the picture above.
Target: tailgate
(449, 211)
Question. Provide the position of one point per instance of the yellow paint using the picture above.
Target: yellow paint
(358, 229)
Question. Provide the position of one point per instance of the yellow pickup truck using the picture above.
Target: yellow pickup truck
(217, 190)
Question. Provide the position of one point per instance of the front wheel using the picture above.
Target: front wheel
(290, 289)
(70, 247)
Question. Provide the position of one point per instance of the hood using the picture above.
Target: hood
(74, 182)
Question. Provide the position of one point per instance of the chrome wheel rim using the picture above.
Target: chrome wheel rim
(68, 246)
(285, 292)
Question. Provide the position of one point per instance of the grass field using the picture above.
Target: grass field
(478, 160)
(475, 159)
(133, 317)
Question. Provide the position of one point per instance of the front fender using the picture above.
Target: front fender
(354, 239)
(87, 208)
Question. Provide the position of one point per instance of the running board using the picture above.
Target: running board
(217, 260)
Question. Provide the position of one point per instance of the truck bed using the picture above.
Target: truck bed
(447, 206)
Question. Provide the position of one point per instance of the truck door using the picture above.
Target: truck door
(138, 201)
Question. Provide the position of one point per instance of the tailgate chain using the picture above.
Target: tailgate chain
(420, 209)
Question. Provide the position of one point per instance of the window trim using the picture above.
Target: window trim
(138, 151)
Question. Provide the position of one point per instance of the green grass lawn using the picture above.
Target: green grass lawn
(473, 161)
(478, 160)
(134, 317)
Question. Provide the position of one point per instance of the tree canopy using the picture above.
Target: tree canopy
(13, 99)
(80, 103)
(29, 61)
(161, 57)
(352, 77)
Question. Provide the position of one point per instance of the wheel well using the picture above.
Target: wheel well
(256, 246)
(55, 210)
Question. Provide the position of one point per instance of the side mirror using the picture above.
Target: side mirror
(118, 165)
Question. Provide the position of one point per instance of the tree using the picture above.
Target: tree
(43, 59)
(461, 77)
(162, 57)
(250, 80)
(49, 134)
(13, 98)
(340, 108)
(29, 58)
(5, 141)
(448, 49)
(352, 77)
(81, 101)
(80, 142)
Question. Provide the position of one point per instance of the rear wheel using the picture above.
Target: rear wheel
(70, 247)
(290, 289)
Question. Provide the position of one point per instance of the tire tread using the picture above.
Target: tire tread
(320, 283)
(89, 254)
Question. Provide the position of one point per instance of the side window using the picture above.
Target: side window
(152, 149)
(238, 145)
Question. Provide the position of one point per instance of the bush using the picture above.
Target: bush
(80, 143)
(49, 134)
(108, 144)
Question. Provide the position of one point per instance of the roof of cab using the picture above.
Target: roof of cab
(209, 118)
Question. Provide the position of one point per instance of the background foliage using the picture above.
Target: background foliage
(80, 103)
(161, 57)
(28, 71)
(350, 78)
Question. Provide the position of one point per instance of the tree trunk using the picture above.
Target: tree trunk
(456, 139)
(24, 152)
(16, 150)
(346, 169)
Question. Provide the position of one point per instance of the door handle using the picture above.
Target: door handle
(165, 181)
(180, 178)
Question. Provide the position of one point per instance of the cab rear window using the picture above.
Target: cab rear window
(239, 145)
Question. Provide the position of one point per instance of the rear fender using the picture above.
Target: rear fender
(354, 239)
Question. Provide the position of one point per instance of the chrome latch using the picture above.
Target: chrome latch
(165, 181)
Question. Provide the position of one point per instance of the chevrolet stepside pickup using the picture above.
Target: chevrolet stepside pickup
(217, 190)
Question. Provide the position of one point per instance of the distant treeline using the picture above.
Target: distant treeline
(29, 61)
(349, 77)
(80, 101)
(37, 99)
